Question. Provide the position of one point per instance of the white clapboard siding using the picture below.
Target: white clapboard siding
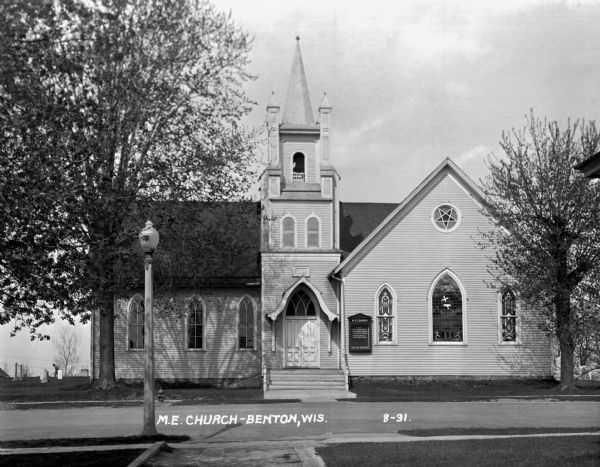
(277, 272)
(302, 211)
(409, 258)
(219, 360)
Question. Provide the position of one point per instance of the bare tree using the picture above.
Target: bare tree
(67, 357)
(23, 369)
(548, 249)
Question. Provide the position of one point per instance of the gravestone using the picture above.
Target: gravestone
(44, 376)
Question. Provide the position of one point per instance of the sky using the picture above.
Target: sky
(410, 83)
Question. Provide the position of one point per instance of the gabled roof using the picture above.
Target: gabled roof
(297, 109)
(286, 295)
(358, 220)
(446, 167)
(201, 244)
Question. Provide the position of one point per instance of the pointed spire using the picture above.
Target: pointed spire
(297, 109)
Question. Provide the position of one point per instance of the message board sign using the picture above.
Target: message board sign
(359, 332)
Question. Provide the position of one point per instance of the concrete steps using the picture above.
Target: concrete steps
(307, 384)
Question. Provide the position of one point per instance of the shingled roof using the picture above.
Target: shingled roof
(358, 220)
(201, 244)
(218, 244)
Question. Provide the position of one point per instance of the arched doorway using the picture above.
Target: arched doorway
(301, 330)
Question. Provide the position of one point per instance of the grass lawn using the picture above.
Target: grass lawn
(116, 458)
(54, 442)
(79, 389)
(555, 451)
(466, 390)
(425, 432)
(73, 389)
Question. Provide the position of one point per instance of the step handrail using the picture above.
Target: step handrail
(265, 372)
(346, 371)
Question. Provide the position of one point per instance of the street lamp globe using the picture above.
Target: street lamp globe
(148, 238)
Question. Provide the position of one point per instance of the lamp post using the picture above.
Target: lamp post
(148, 241)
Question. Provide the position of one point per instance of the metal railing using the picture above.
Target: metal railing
(298, 176)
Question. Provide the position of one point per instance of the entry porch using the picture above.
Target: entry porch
(304, 346)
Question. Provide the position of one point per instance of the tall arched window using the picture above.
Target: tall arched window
(298, 174)
(288, 232)
(312, 232)
(195, 323)
(447, 310)
(135, 322)
(246, 324)
(385, 314)
(508, 316)
(301, 305)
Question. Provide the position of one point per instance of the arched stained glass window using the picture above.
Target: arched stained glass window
(385, 316)
(312, 232)
(195, 324)
(301, 305)
(288, 232)
(136, 322)
(508, 316)
(447, 310)
(246, 324)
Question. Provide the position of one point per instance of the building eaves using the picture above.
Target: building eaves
(590, 167)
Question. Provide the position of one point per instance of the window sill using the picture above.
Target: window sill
(195, 350)
(245, 350)
(135, 350)
(509, 343)
(386, 344)
(451, 344)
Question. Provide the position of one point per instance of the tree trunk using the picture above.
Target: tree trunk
(565, 338)
(101, 268)
(106, 341)
(566, 361)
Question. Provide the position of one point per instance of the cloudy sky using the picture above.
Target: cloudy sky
(410, 84)
(414, 82)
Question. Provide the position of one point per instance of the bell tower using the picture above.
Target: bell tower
(299, 186)
(300, 231)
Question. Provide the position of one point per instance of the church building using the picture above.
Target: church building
(339, 291)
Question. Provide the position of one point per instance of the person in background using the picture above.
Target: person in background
(55, 370)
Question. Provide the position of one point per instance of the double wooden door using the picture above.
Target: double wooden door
(301, 342)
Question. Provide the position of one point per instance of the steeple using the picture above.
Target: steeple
(297, 109)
